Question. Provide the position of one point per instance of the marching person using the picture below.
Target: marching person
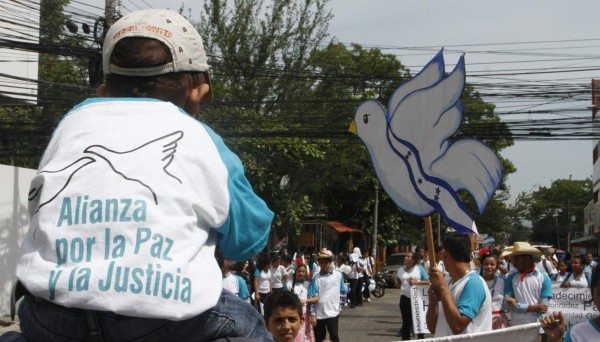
(495, 283)
(577, 278)
(587, 331)
(325, 289)
(412, 273)
(464, 306)
(528, 291)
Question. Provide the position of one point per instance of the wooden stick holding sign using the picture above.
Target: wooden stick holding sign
(430, 245)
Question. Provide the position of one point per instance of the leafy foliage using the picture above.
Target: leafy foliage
(550, 209)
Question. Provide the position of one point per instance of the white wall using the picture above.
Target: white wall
(14, 223)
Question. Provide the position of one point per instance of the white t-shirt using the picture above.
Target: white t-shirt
(131, 199)
(264, 280)
(496, 288)
(417, 273)
(236, 285)
(277, 275)
(301, 290)
(329, 287)
(581, 282)
(473, 300)
(532, 290)
(540, 267)
(586, 331)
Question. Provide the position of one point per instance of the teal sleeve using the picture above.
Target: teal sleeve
(424, 275)
(568, 336)
(313, 289)
(342, 285)
(471, 298)
(257, 273)
(589, 279)
(243, 288)
(246, 230)
(508, 285)
(546, 287)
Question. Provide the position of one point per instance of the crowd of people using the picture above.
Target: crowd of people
(472, 292)
(126, 217)
(323, 283)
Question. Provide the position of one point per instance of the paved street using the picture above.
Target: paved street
(377, 321)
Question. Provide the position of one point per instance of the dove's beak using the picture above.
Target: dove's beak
(352, 128)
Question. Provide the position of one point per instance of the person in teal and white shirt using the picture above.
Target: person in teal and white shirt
(324, 291)
(588, 331)
(463, 306)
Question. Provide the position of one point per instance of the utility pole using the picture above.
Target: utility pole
(109, 13)
(375, 223)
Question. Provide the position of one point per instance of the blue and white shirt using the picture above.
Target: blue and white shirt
(329, 287)
(535, 288)
(473, 300)
(417, 273)
(236, 285)
(586, 331)
(131, 199)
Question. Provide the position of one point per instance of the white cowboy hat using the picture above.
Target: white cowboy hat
(524, 248)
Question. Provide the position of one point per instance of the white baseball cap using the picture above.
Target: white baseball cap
(166, 26)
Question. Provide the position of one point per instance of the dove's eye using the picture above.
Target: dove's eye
(366, 118)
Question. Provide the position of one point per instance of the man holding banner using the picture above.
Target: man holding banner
(465, 305)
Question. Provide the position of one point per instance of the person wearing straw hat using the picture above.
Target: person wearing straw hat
(463, 306)
(326, 288)
(528, 291)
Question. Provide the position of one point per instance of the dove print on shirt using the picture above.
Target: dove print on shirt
(160, 151)
(416, 163)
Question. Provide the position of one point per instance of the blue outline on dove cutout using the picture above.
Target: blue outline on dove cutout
(415, 162)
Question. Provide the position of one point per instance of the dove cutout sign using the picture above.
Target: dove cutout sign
(416, 163)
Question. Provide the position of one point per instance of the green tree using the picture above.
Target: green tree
(550, 210)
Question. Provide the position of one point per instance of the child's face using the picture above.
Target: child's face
(300, 273)
(284, 324)
(489, 266)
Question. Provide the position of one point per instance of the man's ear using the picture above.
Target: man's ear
(102, 91)
(194, 98)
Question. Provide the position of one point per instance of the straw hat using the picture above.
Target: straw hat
(506, 251)
(524, 248)
(325, 254)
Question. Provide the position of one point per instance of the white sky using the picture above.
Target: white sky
(418, 23)
(471, 24)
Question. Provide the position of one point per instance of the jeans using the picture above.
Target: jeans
(231, 317)
(324, 325)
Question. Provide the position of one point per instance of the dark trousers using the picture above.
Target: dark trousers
(325, 325)
(356, 291)
(407, 321)
(367, 281)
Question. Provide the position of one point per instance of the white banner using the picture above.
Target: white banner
(575, 304)
(521, 333)
(419, 301)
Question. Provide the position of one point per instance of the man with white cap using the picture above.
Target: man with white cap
(132, 199)
(528, 291)
(326, 288)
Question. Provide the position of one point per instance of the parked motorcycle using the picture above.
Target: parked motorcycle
(380, 285)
